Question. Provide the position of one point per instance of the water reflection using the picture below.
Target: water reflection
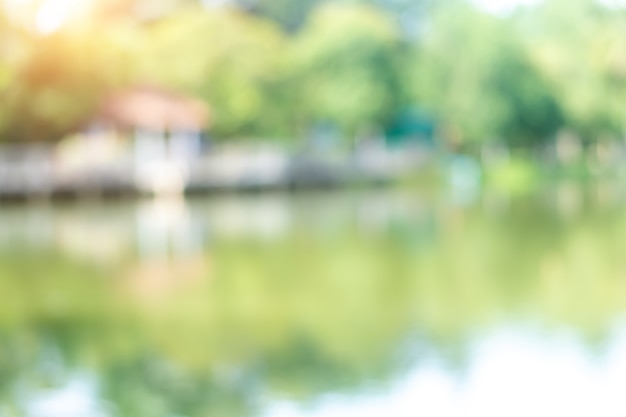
(362, 303)
(512, 372)
(172, 227)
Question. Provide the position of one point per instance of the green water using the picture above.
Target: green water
(378, 303)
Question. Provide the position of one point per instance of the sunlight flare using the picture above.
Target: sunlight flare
(53, 14)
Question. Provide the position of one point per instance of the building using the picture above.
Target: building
(146, 132)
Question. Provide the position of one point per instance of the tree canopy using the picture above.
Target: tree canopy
(274, 69)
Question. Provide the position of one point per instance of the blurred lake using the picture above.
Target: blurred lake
(362, 303)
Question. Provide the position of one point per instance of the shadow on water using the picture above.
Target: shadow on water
(356, 303)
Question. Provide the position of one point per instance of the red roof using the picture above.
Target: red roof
(153, 108)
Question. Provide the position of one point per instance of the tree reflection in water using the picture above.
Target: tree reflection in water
(262, 305)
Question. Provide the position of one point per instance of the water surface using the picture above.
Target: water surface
(377, 303)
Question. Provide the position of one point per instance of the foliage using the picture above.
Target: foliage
(276, 68)
(346, 64)
(474, 73)
(229, 58)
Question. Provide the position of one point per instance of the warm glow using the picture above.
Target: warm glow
(45, 16)
(53, 14)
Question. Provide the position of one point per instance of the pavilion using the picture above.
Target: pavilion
(159, 130)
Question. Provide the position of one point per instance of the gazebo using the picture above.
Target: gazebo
(164, 129)
(152, 108)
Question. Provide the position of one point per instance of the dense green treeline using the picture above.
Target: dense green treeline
(275, 69)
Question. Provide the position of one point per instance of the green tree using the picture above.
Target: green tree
(347, 62)
(580, 46)
(231, 59)
(528, 110)
(472, 71)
